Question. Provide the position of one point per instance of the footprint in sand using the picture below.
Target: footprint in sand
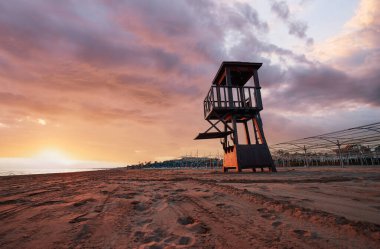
(196, 227)
(200, 228)
(156, 236)
(305, 234)
(299, 232)
(186, 220)
(276, 223)
(184, 240)
(139, 206)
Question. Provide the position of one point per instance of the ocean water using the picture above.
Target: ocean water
(26, 166)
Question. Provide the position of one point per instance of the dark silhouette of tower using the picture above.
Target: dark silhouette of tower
(236, 107)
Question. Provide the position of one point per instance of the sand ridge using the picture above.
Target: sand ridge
(191, 209)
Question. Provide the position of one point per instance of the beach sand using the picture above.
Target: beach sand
(294, 208)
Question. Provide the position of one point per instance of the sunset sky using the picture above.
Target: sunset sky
(124, 81)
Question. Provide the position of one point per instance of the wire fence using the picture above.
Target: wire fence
(355, 146)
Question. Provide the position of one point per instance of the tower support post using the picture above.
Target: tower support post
(231, 102)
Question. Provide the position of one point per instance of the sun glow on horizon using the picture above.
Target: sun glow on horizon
(53, 155)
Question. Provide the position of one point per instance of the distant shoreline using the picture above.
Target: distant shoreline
(65, 172)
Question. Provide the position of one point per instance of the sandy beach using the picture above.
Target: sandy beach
(294, 208)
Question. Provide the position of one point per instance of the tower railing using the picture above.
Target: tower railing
(229, 97)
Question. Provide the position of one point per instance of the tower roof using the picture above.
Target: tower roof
(241, 72)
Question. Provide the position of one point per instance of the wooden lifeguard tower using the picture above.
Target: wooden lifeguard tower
(237, 107)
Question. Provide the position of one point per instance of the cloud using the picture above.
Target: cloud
(136, 72)
(366, 15)
(281, 9)
(298, 29)
(342, 74)
(295, 27)
(356, 49)
(322, 88)
(251, 15)
(11, 100)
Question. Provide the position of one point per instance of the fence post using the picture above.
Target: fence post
(340, 154)
(306, 163)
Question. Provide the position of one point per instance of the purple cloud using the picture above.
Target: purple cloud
(295, 27)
